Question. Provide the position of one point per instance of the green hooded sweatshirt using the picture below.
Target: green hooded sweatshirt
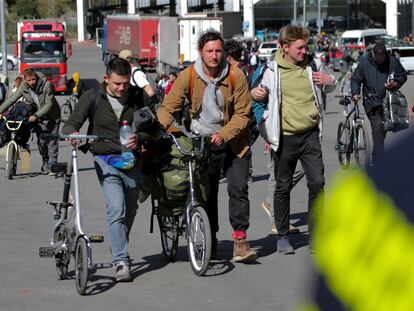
(299, 112)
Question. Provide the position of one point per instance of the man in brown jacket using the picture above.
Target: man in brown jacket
(220, 107)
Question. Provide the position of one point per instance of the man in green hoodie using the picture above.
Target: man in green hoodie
(292, 122)
(39, 93)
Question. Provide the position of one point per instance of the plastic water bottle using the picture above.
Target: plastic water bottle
(127, 156)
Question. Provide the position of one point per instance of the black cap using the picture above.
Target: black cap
(379, 49)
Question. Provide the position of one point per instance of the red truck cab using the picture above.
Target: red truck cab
(42, 45)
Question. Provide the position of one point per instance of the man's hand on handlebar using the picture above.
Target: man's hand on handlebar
(73, 142)
(217, 140)
(33, 118)
(356, 98)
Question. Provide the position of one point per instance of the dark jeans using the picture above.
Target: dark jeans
(375, 116)
(48, 148)
(306, 148)
(236, 171)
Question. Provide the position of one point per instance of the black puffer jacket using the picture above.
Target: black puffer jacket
(373, 77)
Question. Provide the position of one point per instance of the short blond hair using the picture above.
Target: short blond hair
(290, 33)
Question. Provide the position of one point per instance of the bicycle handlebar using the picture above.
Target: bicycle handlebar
(79, 137)
(189, 153)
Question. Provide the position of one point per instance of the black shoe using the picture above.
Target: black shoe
(283, 245)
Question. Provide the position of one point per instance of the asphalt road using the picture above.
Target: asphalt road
(27, 282)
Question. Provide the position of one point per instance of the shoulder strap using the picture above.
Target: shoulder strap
(191, 82)
(312, 63)
(133, 74)
(231, 78)
(93, 105)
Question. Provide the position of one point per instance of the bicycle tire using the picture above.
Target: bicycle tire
(81, 265)
(63, 257)
(66, 110)
(361, 146)
(169, 236)
(11, 161)
(199, 241)
(343, 140)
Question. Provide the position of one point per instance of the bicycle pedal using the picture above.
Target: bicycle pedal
(46, 251)
(96, 238)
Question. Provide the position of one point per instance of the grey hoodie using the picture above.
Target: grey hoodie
(210, 118)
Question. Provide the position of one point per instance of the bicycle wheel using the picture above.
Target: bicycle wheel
(361, 146)
(199, 241)
(63, 257)
(169, 236)
(11, 161)
(66, 110)
(342, 147)
(81, 265)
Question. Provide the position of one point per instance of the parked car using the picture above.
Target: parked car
(12, 61)
(266, 49)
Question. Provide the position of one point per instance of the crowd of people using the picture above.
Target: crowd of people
(290, 90)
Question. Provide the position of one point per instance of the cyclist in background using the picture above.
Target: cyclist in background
(39, 93)
(372, 74)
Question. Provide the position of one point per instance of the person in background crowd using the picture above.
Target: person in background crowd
(171, 78)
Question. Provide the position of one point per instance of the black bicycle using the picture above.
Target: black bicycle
(67, 107)
(352, 136)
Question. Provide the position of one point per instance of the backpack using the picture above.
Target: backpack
(19, 112)
(152, 83)
(173, 176)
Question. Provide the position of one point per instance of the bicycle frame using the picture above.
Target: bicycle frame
(192, 192)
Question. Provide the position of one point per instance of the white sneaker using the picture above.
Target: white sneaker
(122, 272)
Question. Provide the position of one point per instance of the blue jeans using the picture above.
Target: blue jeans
(120, 188)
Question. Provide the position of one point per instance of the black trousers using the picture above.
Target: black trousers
(305, 148)
(375, 116)
(236, 170)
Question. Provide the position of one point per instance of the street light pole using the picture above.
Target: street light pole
(319, 17)
(3, 38)
(294, 12)
(304, 13)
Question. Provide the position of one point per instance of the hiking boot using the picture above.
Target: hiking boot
(283, 245)
(122, 272)
(242, 251)
(45, 169)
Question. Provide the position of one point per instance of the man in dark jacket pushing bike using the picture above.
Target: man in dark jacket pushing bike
(373, 71)
(107, 107)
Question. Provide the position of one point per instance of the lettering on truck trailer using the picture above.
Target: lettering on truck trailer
(124, 33)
